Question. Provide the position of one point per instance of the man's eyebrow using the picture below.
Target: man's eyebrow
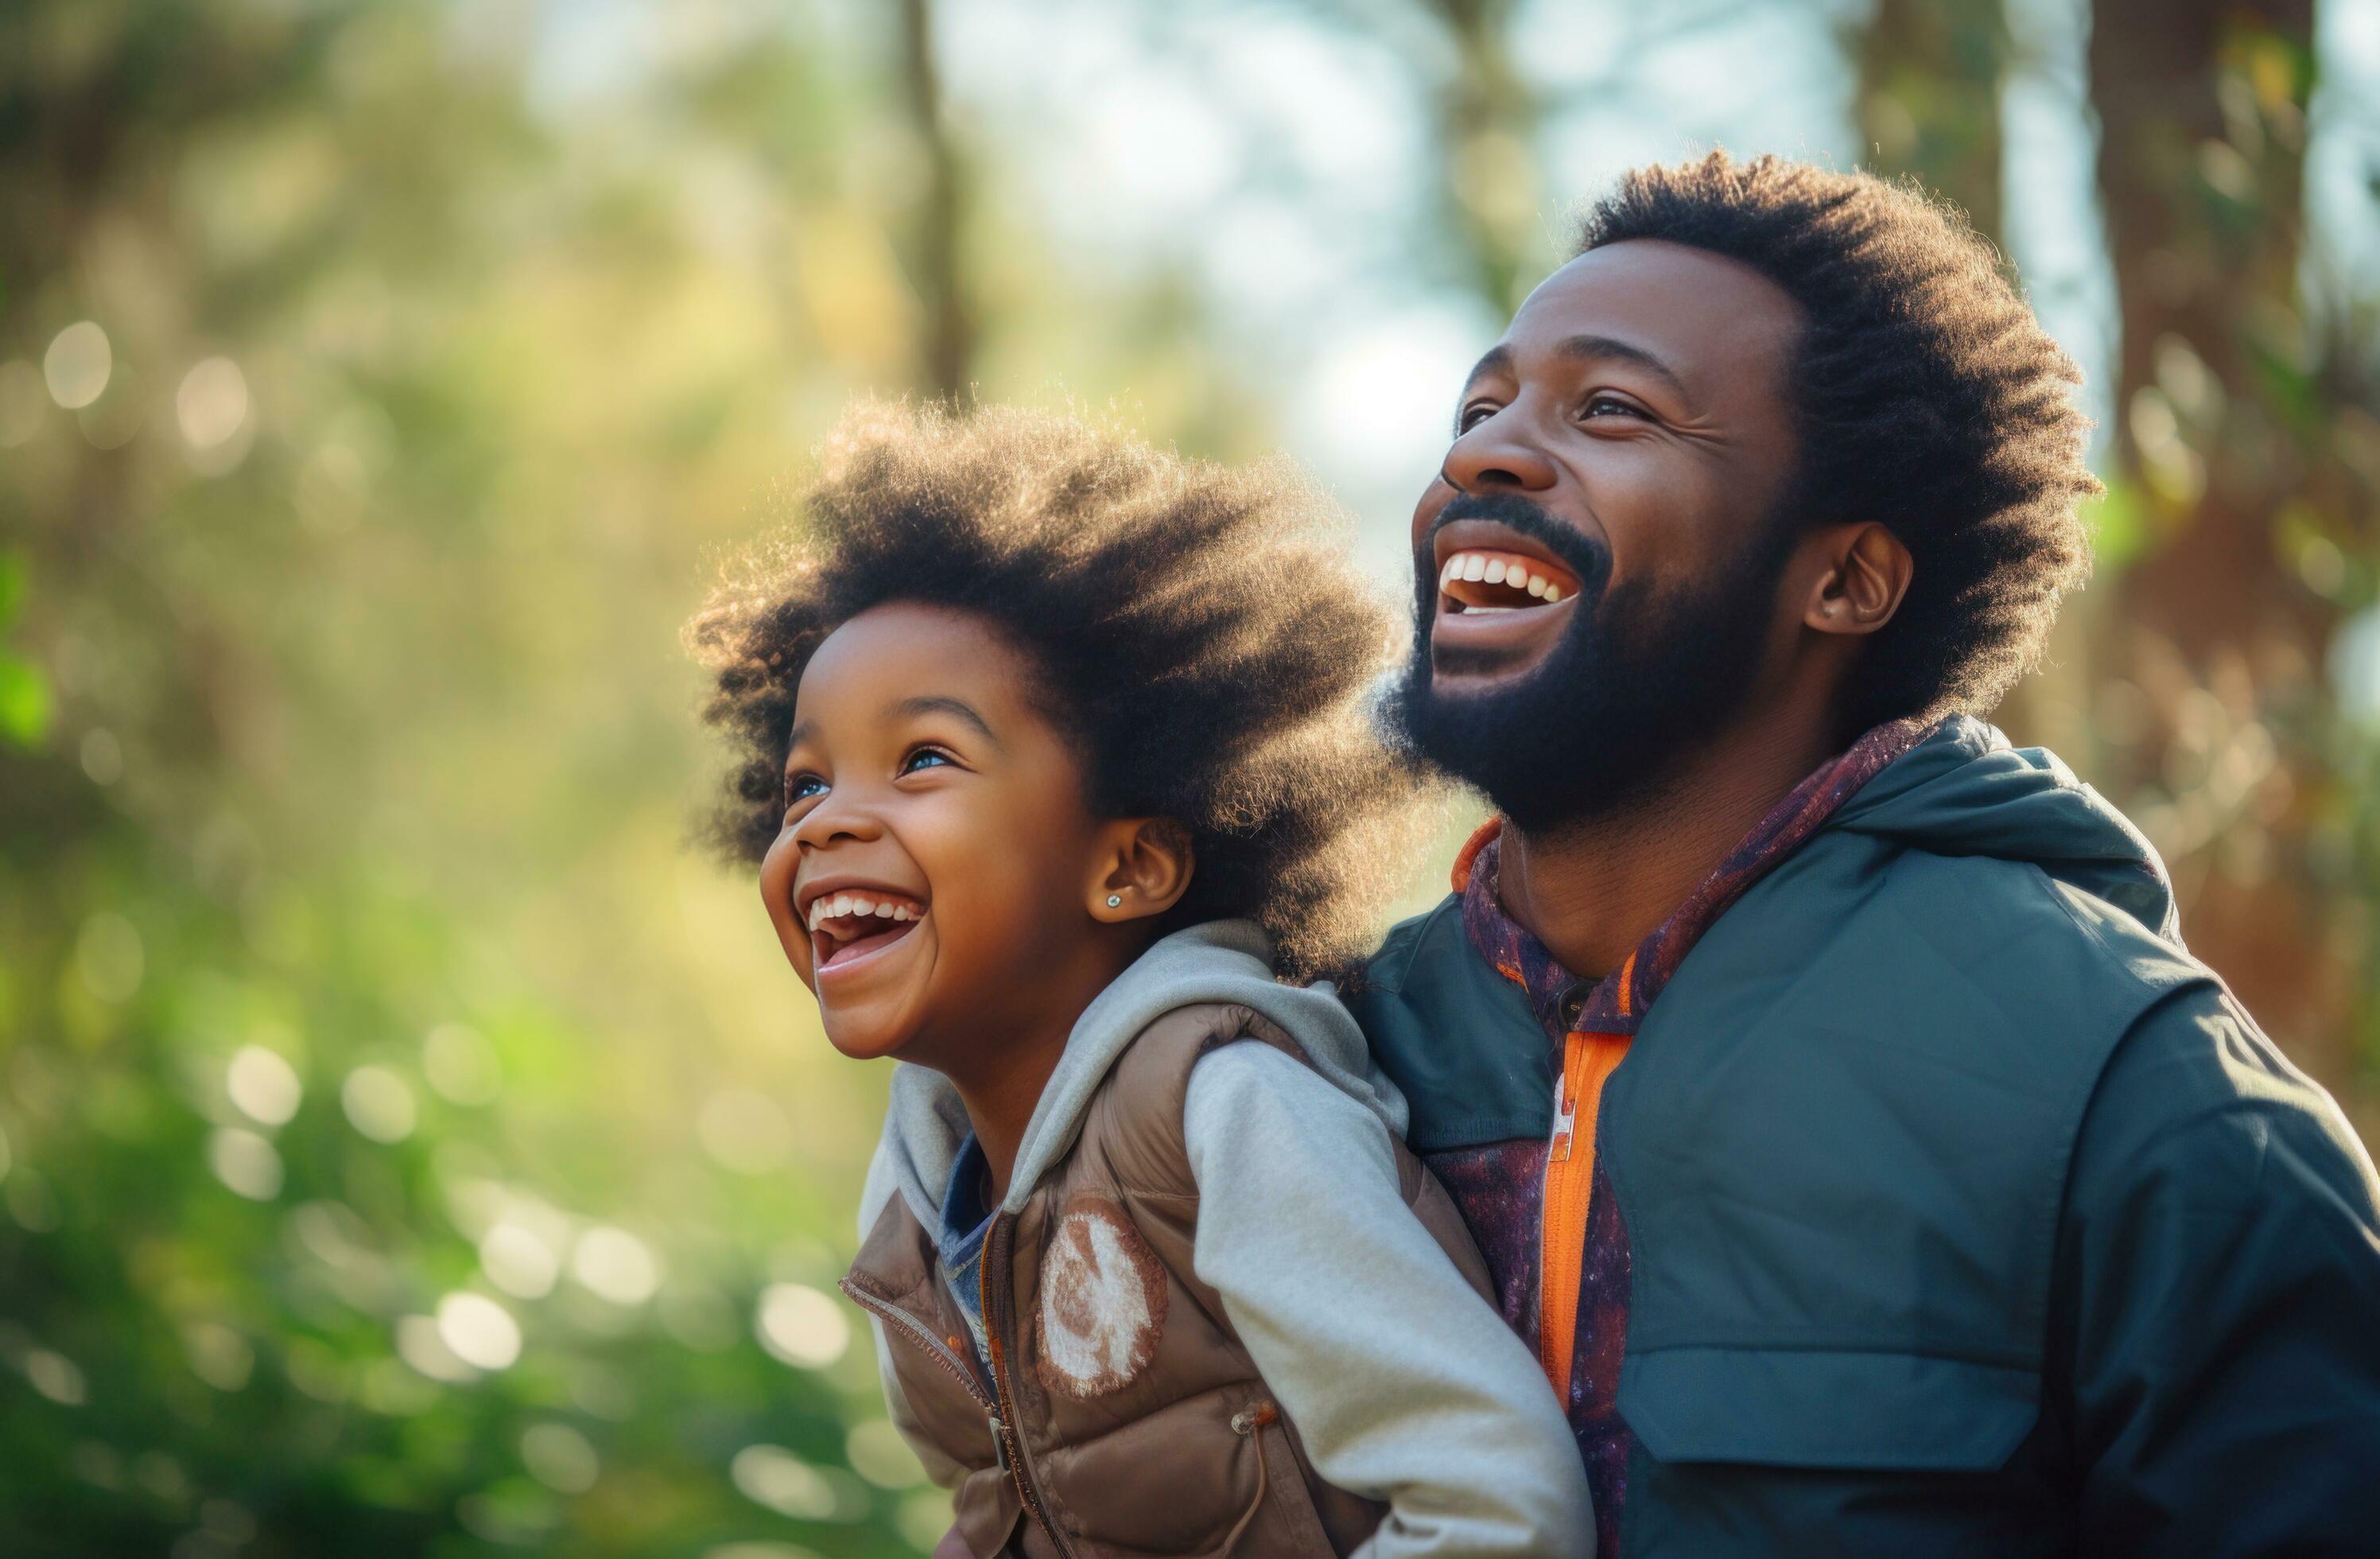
(1498, 360)
(957, 709)
(1612, 346)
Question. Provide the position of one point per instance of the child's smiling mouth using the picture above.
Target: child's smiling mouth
(849, 926)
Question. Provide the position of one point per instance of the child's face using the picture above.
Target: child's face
(921, 783)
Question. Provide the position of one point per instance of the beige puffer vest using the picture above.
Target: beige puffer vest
(1121, 1416)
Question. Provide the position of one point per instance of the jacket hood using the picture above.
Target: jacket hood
(1963, 790)
(1221, 961)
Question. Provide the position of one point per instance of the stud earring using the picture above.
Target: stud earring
(1115, 901)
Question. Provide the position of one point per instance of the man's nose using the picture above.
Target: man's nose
(1496, 456)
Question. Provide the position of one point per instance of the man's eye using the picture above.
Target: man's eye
(1472, 415)
(925, 757)
(804, 787)
(1606, 406)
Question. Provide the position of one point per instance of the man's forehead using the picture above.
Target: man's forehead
(1688, 306)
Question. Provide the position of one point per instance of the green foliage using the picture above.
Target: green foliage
(407, 1146)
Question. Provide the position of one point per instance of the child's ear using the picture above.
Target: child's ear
(1141, 868)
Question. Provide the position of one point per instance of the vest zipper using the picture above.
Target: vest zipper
(1589, 1061)
(917, 1332)
(992, 1294)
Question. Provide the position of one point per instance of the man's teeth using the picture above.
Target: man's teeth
(1479, 567)
(832, 907)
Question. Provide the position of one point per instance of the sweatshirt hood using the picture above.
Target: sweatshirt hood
(1221, 961)
(1962, 790)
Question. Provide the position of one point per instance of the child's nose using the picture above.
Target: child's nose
(838, 815)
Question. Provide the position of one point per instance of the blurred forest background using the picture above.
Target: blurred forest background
(406, 1144)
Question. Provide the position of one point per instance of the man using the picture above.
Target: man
(1826, 1082)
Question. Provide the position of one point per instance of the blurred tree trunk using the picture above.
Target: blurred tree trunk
(1929, 99)
(950, 333)
(1487, 119)
(2201, 162)
(2221, 479)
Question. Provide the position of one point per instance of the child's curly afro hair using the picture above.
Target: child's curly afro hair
(1204, 643)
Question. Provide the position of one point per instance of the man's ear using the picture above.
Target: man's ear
(1867, 575)
(1141, 868)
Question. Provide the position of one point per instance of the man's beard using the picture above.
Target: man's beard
(1634, 684)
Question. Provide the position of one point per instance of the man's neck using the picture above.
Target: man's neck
(1592, 890)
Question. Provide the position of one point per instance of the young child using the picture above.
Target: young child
(1057, 767)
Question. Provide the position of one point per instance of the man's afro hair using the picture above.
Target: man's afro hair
(1201, 636)
(1928, 400)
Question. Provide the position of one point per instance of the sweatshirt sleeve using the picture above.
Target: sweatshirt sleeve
(1404, 1385)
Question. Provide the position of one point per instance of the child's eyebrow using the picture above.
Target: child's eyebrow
(957, 709)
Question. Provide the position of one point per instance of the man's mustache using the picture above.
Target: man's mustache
(1583, 554)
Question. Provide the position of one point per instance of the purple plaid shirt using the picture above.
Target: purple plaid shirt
(1499, 1188)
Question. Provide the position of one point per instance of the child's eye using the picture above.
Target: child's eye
(925, 757)
(804, 787)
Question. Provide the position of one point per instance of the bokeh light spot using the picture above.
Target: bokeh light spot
(218, 1355)
(614, 1264)
(774, 1477)
(517, 1261)
(101, 756)
(378, 1104)
(802, 1327)
(878, 1453)
(478, 1330)
(246, 1162)
(55, 1376)
(211, 403)
(264, 1086)
(77, 364)
(560, 1457)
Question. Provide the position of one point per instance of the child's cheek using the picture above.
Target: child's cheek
(777, 868)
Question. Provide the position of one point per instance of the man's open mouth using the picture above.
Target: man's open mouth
(1477, 579)
(847, 926)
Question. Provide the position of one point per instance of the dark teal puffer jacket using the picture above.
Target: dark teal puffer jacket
(1967, 1213)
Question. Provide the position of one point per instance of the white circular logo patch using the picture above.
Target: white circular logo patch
(1102, 1302)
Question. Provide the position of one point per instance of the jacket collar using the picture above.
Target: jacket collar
(1616, 1003)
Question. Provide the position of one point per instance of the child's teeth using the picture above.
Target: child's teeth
(818, 912)
(842, 904)
(884, 910)
(861, 906)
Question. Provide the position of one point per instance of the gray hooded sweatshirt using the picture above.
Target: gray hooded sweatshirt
(1406, 1387)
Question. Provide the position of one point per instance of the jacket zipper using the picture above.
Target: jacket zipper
(1589, 1061)
(923, 1337)
(993, 1295)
